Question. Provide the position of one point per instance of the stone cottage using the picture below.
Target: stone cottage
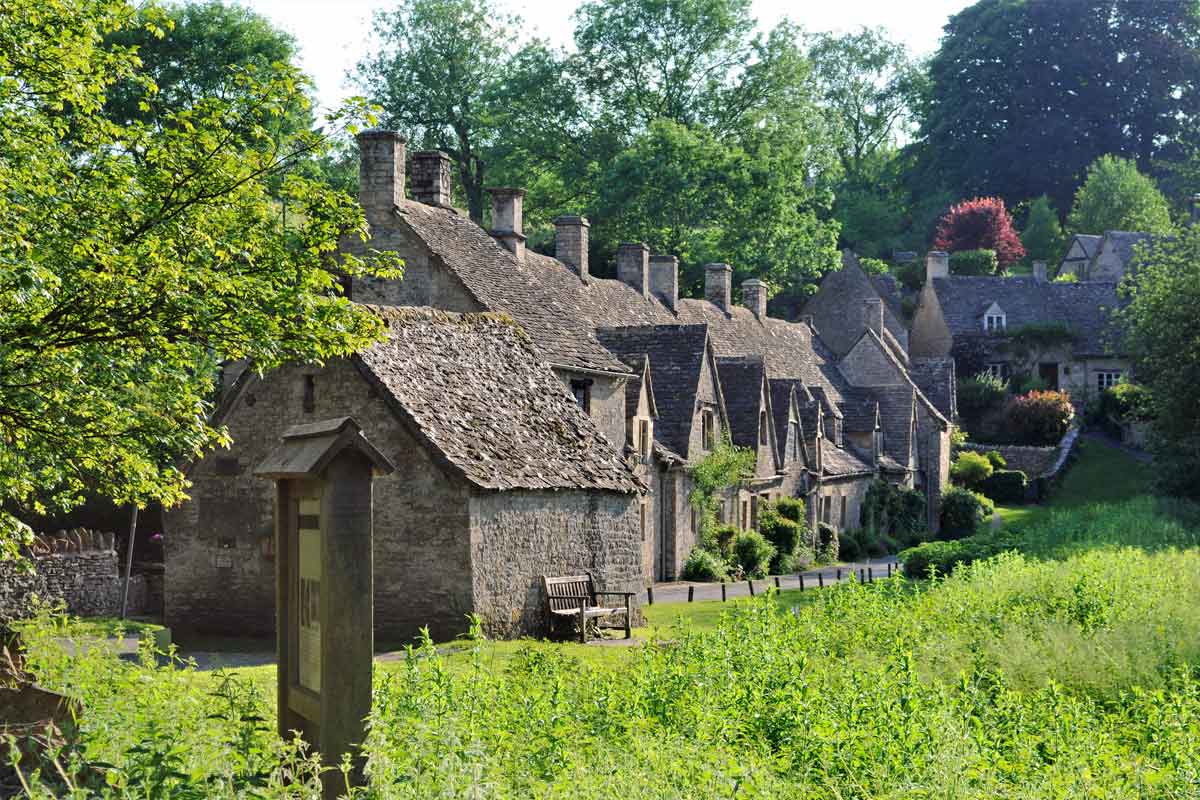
(501, 478)
(836, 308)
(1061, 333)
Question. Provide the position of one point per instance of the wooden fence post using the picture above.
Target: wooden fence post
(839, 574)
(691, 593)
(820, 580)
(722, 591)
(750, 583)
(776, 581)
(870, 575)
(801, 577)
(649, 595)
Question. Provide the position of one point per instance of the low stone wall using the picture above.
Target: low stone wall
(1042, 465)
(78, 568)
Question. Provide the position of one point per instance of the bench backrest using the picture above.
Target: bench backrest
(561, 591)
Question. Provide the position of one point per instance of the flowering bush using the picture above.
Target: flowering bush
(1039, 418)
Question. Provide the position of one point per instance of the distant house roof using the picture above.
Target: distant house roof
(838, 308)
(1089, 244)
(1085, 307)
(676, 354)
(1124, 244)
(472, 389)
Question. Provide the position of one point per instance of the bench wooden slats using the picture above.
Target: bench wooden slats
(575, 597)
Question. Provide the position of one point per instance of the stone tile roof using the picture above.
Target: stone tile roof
(841, 461)
(838, 308)
(1124, 243)
(781, 399)
(1085, 307)
(1089, 243)
(501, 283)
(472, 388)
(895, 420)
(741, 382)
(935, 378)
(859, 408)
(676, 354)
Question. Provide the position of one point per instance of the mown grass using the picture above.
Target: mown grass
(1067, 672)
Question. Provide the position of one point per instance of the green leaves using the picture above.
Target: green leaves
(1116, 197)
(135, 258)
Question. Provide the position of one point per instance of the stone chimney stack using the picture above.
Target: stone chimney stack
(664, 279)
(633, 266)
(1040, 271)
(431, 178)
(873, 309)
(380, 170)
(507, 224)
(754, 297)
(937, 265)
(571, 243)
(718, 283)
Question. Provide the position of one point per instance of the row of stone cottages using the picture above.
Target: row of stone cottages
(544, 420)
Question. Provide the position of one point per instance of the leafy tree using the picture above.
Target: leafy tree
(971, 469)
(1024, 94)
(1043, 237)
(974, 262)
(980, 224)
(135, 256)
(1116, 196)
(1160, 334)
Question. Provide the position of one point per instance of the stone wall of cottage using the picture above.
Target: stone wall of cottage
(519, 536)
(220, 568)
(606, 404)
(78, 568)
(426, 281)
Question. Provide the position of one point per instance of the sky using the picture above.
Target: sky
(334, 35)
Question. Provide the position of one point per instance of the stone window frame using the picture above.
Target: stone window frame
(644, 517)
(581, 390)
(643, 438)
(995, 322)
(745, 520)
(310, 393)
(842, 514)
(1107, 378)
(794, 440)
(762, 429)
(708, 429)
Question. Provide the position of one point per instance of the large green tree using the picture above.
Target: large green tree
(1116, 196)
(1025, 94)
(1160, 325)
(135, 256)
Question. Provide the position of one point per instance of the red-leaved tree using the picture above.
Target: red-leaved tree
(980, 224)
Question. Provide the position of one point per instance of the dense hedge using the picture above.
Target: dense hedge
(974, 262)
(943, 557)
(963, 511)
(970, 469)
(1005, 486)
(1039, 419)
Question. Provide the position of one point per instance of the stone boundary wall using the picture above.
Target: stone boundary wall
(1042, 465)
(78, 568)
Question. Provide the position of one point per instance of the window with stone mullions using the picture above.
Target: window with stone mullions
(1106, 379)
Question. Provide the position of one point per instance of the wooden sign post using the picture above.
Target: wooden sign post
(324, 585)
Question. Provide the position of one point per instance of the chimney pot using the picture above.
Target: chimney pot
(754, 296)
(874, 316)
(718, 281)
(937, 264)
(571, 243)
(507, 224)
(380, 170)
(431, 178)
(664, 279)
(1040, 271)
(633, 266)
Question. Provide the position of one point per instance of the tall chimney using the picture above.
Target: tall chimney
(718, 280)
(431, 178)
(937, 265)
(1040, 271)
(380, 170)
(571, 243)
(633, 266)
(664, 279)
(507, 226)
(754, 297)
(873, 309)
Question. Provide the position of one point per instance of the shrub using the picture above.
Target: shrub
(944, 557)
(973, 262)
(753, 553)
(849, 548)
(792, 508)
(962, 512)
(1026, 382)
(893, 511)
(783, 534)
(996, 460)
(980, 223)
(1005, 486)
(911, 275)
(723, 538)
(827, 543)
(970, 469)
(981, 393)
(704, 565)
(1127, 402)
(1039, 418)
(873, 266)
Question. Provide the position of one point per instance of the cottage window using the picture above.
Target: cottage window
(794, 440)
(826, 509)
(762, 428)
(724, 512)
(995, 323)
(997, 370)
(310, 394)
(842, 524)
(644, 438)
(582, 390)
(1107, 378)
(708, 429)
(745, 515)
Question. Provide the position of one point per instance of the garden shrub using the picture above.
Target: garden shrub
(849, 548)
(996, 460)
(970, 469)
(974, 262)
(945, 556)
(1127, 402)
(1039, 418)
(981, 393)
(753, 553)
(1006, 486)
(784, 535)
(704, 565)
(894, 511)
(723, 539)
(792, 508)
(963, 511)
(1026, 382)
(827, 543)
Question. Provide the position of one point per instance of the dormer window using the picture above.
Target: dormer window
(582, 390)
(794, 440)
(995, 320)
(762, 428)
(644, 438)
(708, 429)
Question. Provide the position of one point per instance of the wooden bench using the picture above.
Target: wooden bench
(574, 597)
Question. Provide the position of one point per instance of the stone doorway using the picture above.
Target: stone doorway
(1049, 375)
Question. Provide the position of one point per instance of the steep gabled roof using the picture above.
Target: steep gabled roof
(742, 382)
(860, 411)
(1124, 245)
(897, 407)
(839, 307)
(676, 354)
(1089, 244)
(785, 391)
(472, 389)
(935, 378)
(842, 461)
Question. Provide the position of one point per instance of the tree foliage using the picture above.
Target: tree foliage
(135, 256)
(1024, 94)
(1117, 197)
(1043, 237)
(980, 224)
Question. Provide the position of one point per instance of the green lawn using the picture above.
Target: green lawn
(1101, 474)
